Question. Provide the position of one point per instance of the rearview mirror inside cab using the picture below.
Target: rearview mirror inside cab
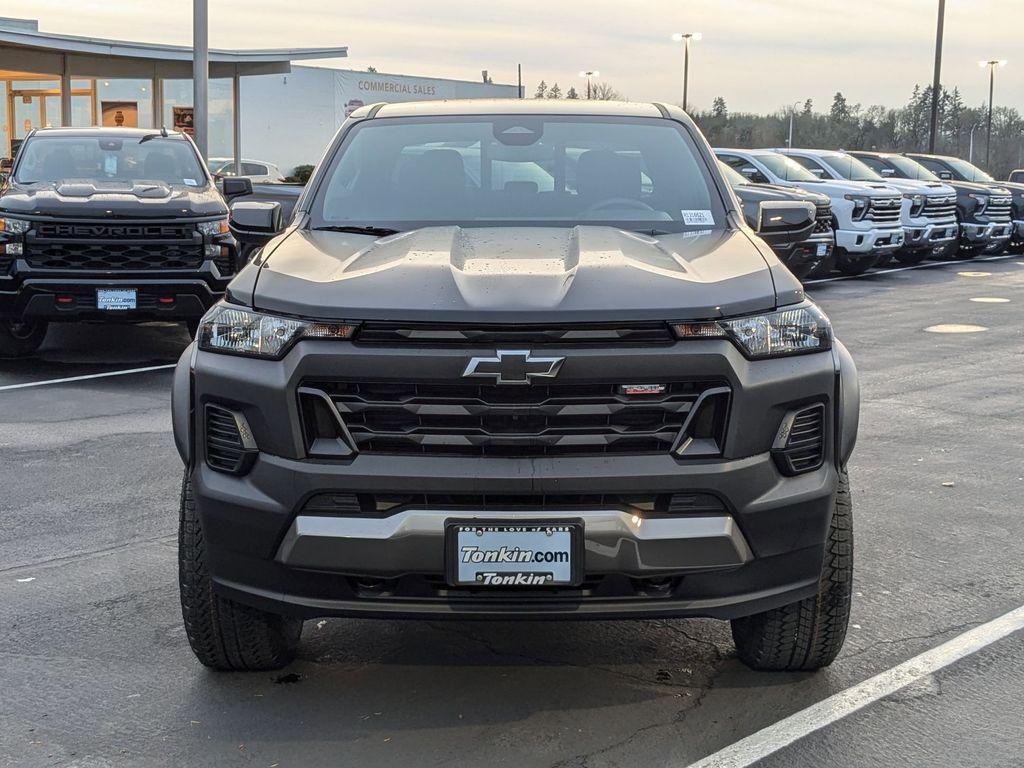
(780, 222)
(255, 223)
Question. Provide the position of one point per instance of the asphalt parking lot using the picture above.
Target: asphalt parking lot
(96, 669)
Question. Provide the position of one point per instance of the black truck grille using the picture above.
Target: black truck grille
(940, 207)
(113, 247)
(999, 210)
(492, 420)
(884, 209)
(823, 219)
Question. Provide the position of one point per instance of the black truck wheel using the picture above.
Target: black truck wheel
(807, 635)
(225, 635)
(21, 338)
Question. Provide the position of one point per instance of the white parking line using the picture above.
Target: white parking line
(124, 372)
(926, 265)
(770, 740)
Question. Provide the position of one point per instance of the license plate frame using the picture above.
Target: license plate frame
(523, 534)
(117, 299)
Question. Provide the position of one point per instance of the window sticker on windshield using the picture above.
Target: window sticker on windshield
(110, 165)
(698, 218)
(191, 182)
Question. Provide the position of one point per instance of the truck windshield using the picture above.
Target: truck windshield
(911, 169)
(404, 173)
(968, 171)
(850, 167)
(51, 159)
(786, 168)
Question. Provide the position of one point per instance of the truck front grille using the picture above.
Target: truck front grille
(533, 420)
(105, 246)
(999, 210)
(884, 210)
(823, 219)
(940, 207)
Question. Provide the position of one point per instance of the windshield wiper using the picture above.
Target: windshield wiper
(357, 230)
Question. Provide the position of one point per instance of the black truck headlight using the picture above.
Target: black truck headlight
(794, 330)
(980, 203)
(238, 331)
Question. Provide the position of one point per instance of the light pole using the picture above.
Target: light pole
(200, 74)
(589, 73)
(792, 114)
(936, 85)
(991, 64)
(685, 38)
(970, 148)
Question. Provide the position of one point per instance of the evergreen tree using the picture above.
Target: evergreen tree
(840, 111)
(542, 90)
(571, 93)
(554, 92)
(718, 108)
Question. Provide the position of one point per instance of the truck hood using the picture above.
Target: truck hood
(91, 199)
(917, 187)
(836, 188)
(517, 274)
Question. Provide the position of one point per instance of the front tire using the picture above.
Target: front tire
(21, 338)
(224, 634)
(853, 265)
(809, 634)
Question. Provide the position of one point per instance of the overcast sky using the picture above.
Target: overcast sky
(758, 54)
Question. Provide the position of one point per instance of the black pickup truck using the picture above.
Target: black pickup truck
(108, 225)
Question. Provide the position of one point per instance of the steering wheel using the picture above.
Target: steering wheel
(619, 202)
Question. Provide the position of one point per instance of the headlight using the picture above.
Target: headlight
(980, 202)
(916, 203)
(14, 226)
(792, 331)
(237, 331)
(860, 205)
(211, 228)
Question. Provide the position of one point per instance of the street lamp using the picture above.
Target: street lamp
(792, 114)
(991, 64)
(685, 38)
(590, 73)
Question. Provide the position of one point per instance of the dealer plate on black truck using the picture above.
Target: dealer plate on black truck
(510, 554)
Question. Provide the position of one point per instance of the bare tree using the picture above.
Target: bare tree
(605, 92)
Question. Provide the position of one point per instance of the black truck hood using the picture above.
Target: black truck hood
(517, 274)
(90, 199)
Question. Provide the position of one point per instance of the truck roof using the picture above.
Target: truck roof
(517, 107)
(105, 131)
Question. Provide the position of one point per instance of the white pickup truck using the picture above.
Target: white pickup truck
(928, 213)
(867, 216)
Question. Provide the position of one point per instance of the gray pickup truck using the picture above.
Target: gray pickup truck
(592, 392)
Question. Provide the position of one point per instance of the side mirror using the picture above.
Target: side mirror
(817, 172)
(754, 175)
(255, 223)
(945, 175)
(887, 172)
(236, 186)
(781, 222)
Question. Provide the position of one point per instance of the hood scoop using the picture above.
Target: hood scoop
(84, 188)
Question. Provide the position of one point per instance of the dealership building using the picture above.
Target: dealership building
(259, 100)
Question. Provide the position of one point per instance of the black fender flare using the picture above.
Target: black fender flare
(847, 412)
(181, 405)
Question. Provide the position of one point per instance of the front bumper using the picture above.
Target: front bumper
(762, 548)
(985, 236)
(809, 256)
(871, 241)
(929, 236)
(74, 300)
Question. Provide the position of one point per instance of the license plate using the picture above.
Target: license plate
(116, 299)
(503, 554)
(823, 249)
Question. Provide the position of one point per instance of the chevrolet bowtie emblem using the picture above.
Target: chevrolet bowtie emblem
(513, 367)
